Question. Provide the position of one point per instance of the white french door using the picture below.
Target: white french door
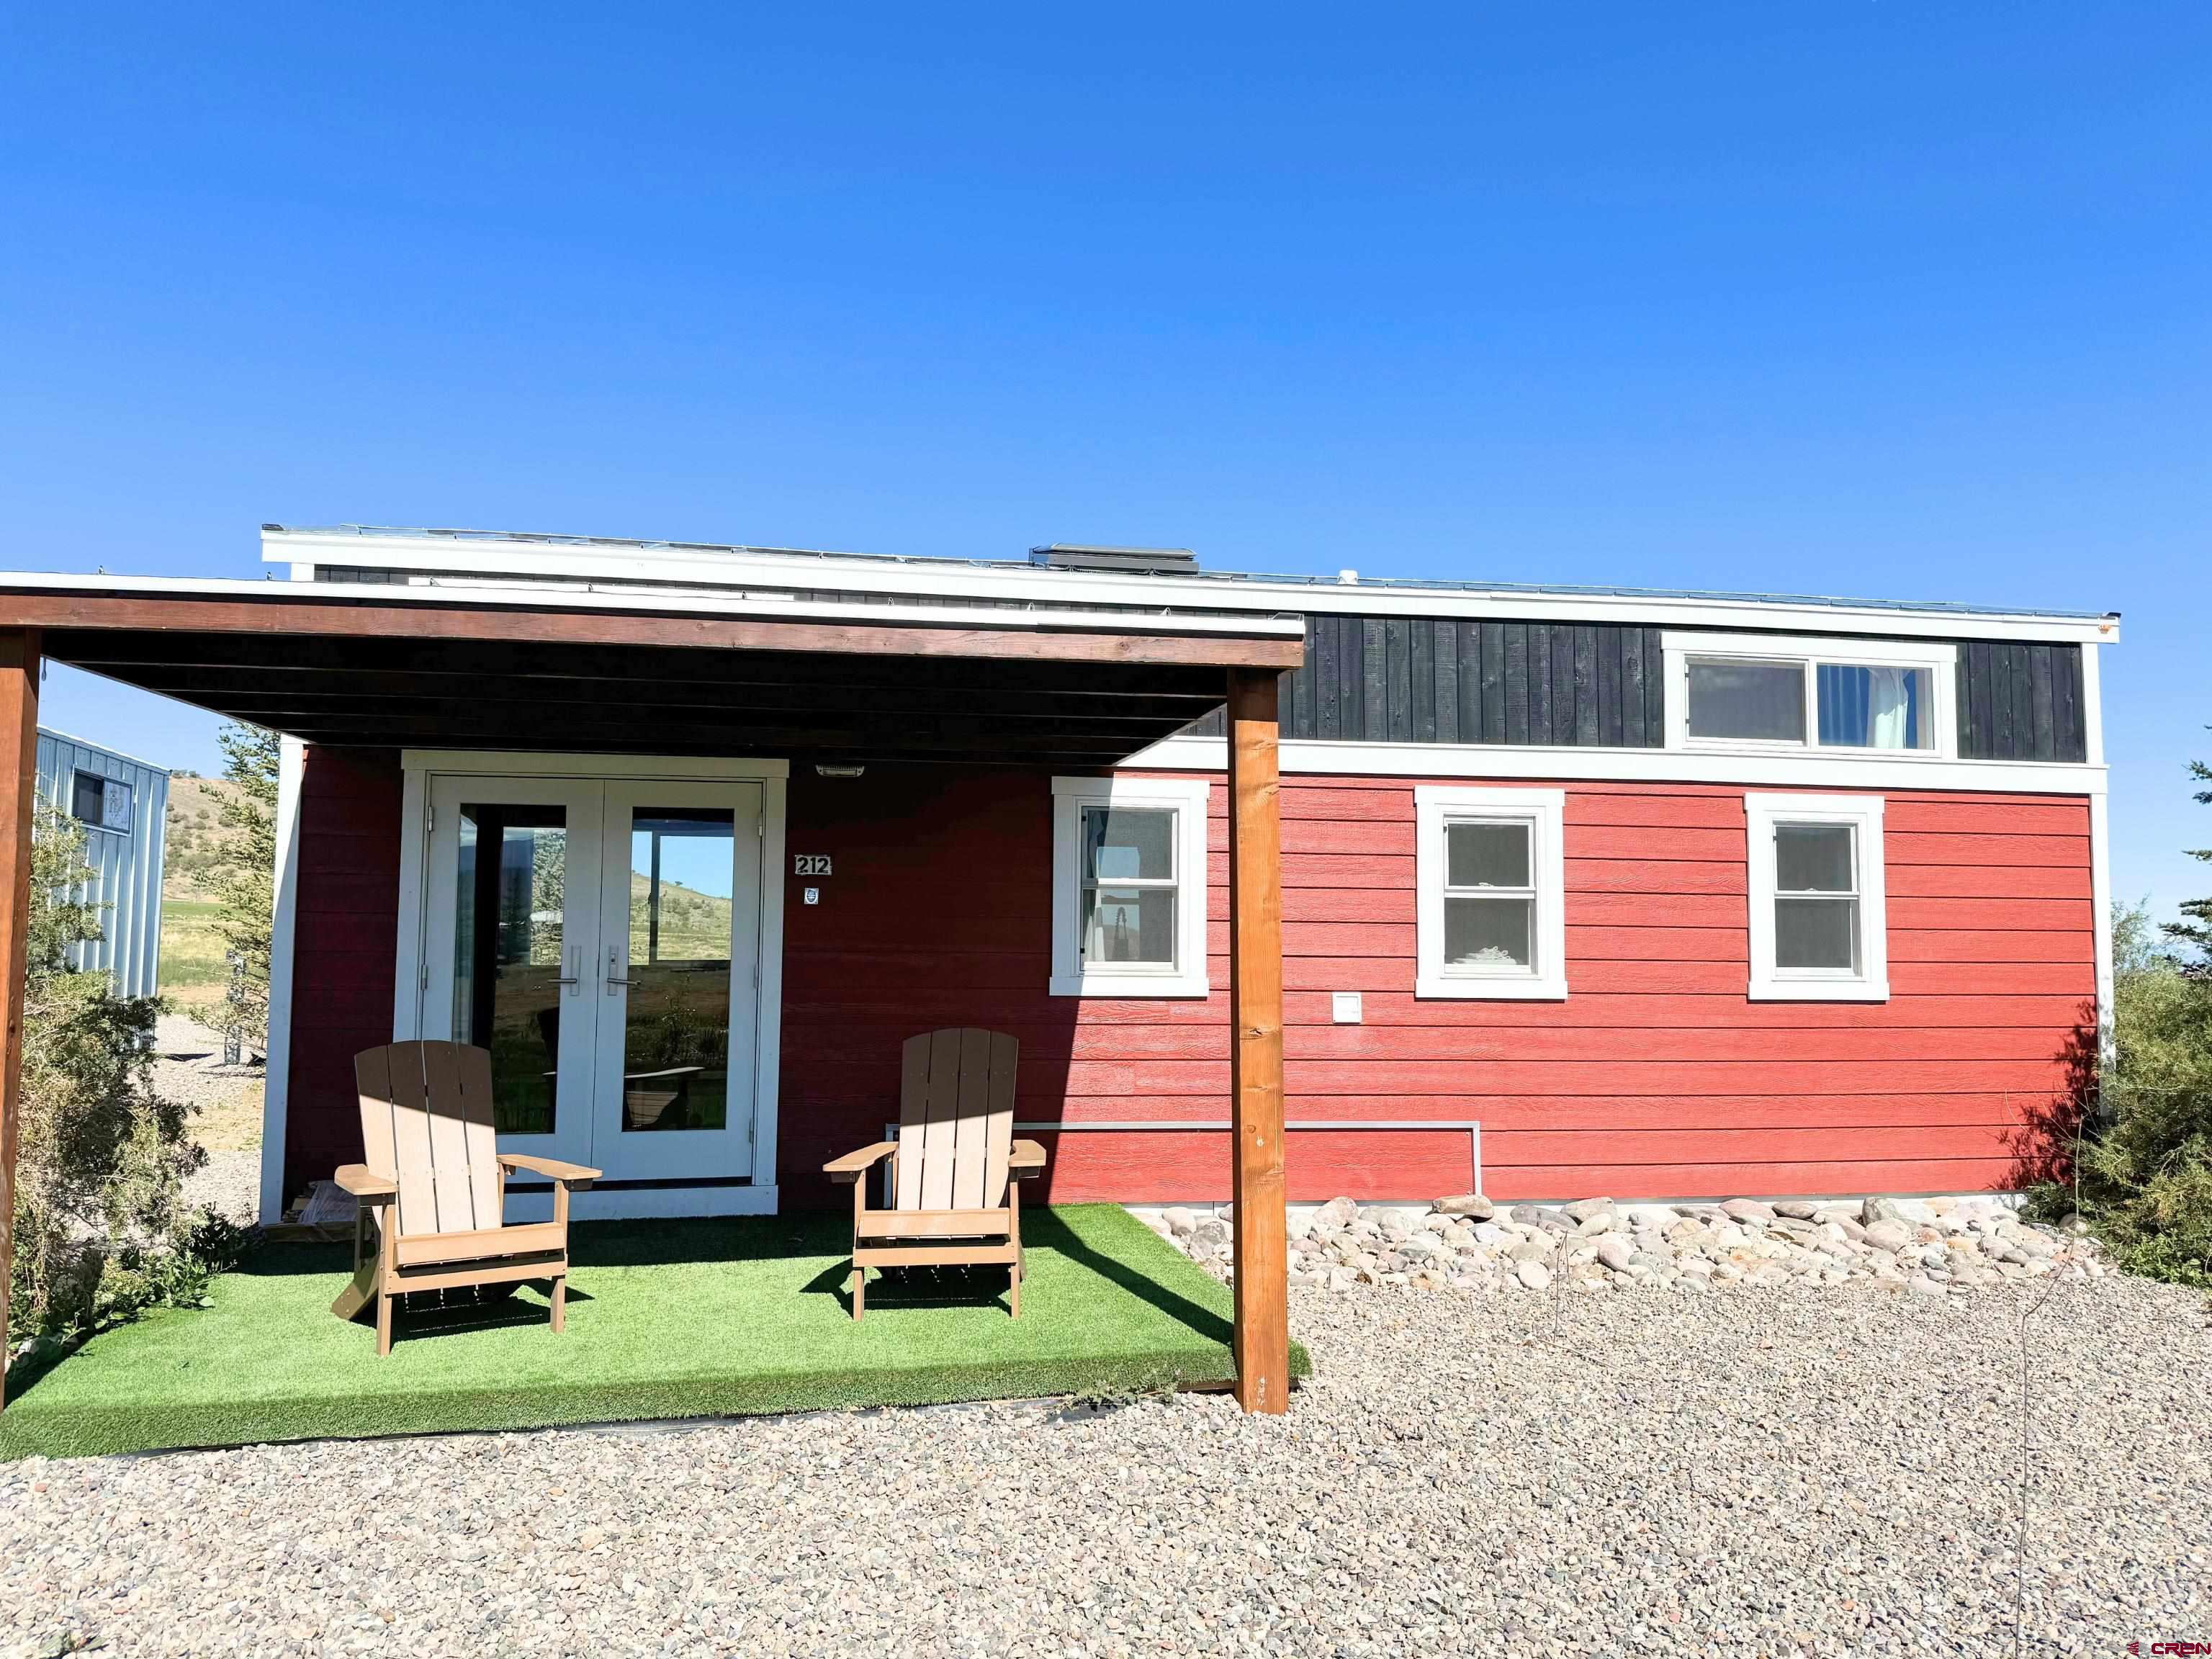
(602, 938)
(678, 974)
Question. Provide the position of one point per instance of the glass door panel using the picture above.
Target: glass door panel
(676, 1017)
(511, 920)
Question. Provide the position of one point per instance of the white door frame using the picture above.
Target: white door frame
(419, 765)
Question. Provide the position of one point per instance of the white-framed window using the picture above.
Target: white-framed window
(1819, 902)
(1490, 906)
(1128, 887)
(1781, 694)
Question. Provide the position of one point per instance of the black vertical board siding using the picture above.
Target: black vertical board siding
(1516, 682)
(1586, 721)
(1608, 687)
(1374, 680)
(1631, 687)
(1446, 650)
(1470, 680)
(1654, 690)
(1540, 682)
(2039, 688)
(1398, 680)
(1493, 681)
(1563, 683)
(1423, 690)
(2069, 738)
(1321, 669)
(1351, 680)
(2020, 702)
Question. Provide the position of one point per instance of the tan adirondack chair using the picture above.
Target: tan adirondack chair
(436, 1185)
(956, 1167)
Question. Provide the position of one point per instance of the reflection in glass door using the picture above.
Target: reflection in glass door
(509, 926)
(678, 949)
(510, 961)
(675, 1032)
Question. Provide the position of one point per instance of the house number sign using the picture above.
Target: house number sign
(809, 864)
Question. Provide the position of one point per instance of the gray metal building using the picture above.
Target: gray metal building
(122, 804)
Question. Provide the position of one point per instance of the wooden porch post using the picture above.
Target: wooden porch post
(19, 759)
(1262, 1338)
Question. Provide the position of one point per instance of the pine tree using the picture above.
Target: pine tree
(2197, 931)
(245, 880)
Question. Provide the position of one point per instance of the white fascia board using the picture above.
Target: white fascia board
(549, 596)
(1038, 585)
(1762, 769)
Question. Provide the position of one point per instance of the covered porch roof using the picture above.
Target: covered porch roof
(532, 666)
(487, 666)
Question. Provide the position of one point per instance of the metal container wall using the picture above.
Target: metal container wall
(128, 861)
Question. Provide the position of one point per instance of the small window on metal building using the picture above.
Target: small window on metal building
(103, 803)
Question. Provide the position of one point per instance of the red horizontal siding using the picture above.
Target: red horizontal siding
(1657, 1076)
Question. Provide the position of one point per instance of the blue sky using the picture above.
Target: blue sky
(1898, 299)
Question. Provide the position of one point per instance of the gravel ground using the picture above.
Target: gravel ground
(1829, 1470)
(187, 1067)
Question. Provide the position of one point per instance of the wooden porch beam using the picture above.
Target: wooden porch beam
(1262, 1332)
(281, 616)
(19, 758)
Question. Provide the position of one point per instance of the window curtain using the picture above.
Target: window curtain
(1889, 707)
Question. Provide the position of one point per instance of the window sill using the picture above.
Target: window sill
(1817, 990)
(1472, 989)
(1127, 986)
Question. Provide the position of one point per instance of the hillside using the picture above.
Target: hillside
(195, 836)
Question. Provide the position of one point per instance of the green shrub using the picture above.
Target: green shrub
(101, 1229)
(2145, 1170)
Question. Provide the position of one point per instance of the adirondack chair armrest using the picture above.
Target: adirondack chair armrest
(853, 1165)
(1025, 1161)
(370, 1186)
(570, 1175)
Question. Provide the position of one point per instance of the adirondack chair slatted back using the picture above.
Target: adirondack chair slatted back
(956, 1119)
(426, 1117)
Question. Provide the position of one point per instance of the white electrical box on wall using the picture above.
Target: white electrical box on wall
(1344, 1007)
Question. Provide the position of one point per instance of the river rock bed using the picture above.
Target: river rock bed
(1932, 1246)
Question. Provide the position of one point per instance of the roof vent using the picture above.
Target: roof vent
(1130, 560)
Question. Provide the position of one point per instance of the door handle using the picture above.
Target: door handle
(614, 962)
(572, 979)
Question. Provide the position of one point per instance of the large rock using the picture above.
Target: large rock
(1891, 1235)
(1534, 1276)
(1596, 1222)
(1747, 1209)
(1208, 1238)
(1797, 1209)
(1472, 1205)
(1615, 1252)
(1337, 1212)
(1878, 1209)
(1180, 1220)
(1583, 1208)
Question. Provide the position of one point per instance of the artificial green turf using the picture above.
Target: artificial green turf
(666, 1319)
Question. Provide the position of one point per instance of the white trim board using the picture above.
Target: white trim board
(526, 764)
(1232, 622)
(283, 932)
(1828, 768)
(819, 572)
